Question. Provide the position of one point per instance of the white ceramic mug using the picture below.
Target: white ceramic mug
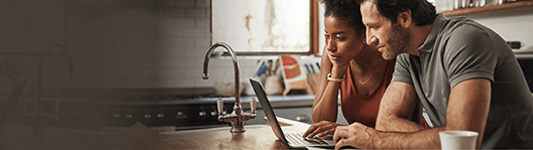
(458, 139)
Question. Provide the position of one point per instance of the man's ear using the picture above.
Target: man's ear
(364, 38)
(405, 19)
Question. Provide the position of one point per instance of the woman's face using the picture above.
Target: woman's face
(342, 42)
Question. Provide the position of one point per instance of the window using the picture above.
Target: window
(266, 27)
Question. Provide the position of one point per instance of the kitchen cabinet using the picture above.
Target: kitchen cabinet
(494, 9)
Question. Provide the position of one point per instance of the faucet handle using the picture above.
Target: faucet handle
(252, 104)
(220, 106)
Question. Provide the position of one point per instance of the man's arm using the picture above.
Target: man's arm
(397, 104)
(468, 108)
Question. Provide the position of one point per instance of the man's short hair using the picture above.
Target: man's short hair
(422, 12)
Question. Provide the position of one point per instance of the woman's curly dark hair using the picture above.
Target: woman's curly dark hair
(347, 10)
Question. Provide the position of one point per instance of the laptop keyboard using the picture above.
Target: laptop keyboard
(296, 138)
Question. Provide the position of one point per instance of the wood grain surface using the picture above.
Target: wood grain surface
(139, 136)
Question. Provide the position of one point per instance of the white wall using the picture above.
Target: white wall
(512, 26)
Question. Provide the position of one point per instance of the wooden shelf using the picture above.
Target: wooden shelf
(507, 7)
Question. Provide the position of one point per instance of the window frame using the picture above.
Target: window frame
(313, 30)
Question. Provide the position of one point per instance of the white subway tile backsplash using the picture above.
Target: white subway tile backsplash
(136, 75)
(127, 32)
(193, 73)
(185, 42)
(220, 63)
(166, 42)
(129, 52)
(128, 74)
(193, 53)
(165, 22)
(171, 12)
(138, 63)
(195, 32)
(168, 32)
(202, 22)
(228, 74)
(115, 63)
(196, 63)
(205, 83)
(183, 3)
(136, 83)
(164, 83)
(180, 73)
(202, 43)
(137, 21)
(172, 53)
(160, 74)
(187, 63)
(164, 3)
(184, 22)
(184, 83)
(124, 53)
(216, 73)
(196, 12)
(134, 11)
(202, 3)
(133, 42)
(165, 64)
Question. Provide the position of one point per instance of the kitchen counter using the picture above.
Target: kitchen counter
(139, 136)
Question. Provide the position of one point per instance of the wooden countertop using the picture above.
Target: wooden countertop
(140, 137)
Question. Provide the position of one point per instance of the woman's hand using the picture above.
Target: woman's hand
(321, 129)
(338, 69)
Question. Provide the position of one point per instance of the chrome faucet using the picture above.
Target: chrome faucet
(39, 117)
(237, 117)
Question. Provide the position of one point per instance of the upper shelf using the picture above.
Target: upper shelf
(513, 6)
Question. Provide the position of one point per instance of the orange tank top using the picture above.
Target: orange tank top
(356, 108)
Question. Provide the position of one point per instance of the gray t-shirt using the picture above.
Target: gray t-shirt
(459, 49)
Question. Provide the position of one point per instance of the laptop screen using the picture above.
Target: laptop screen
(267, 108)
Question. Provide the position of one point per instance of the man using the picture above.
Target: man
(463, 73)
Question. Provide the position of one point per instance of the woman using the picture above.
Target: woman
(350, 65)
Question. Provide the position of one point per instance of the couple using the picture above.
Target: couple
(463, 74)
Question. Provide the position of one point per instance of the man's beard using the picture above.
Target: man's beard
(398, 41)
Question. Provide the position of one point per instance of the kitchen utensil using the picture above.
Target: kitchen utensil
(515, 44)
(262, 67)
(273, 82)
(312, 78)
(261, 71)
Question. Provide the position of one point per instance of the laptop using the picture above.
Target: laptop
(290, 140)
